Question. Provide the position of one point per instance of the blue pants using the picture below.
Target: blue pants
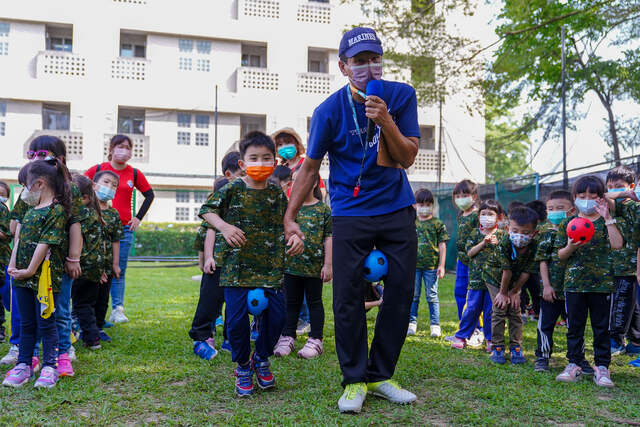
(63, 314)
(10, 302)
(478, 301)
(30, 323)
(117, 285)
(304, 310)
(430, 279)
(271, 323)
(460, 289)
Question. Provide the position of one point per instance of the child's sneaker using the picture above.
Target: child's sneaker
(104, 336)
(632, 349)
(497, 356)
(412, 329)
(117, 315)
(35, 364)
(48, 378)
(635, 363)
(586, 368)
(561, 322)
(458, 343)
(244, 381)
(211, 342)
(254, 335)
(303, 327)
(204, 351)
(488, 342)
(571, 374)
(65, 369)
(541, 365)
(219, 322)
(601, 377)
(93, 345)
(18, 376)
(11, 358)
(517, 358)
(284, 347)
(263, 373)
(107, 325)
(435, 331)
(616, 348)
(311, 349)
(476, 339)
(72, 353)
(226, 346)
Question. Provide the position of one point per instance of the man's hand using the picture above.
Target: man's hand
(292, 228)
(209, 266)
(501, 301)
(514, 300)
(73, 269)
(440, 272)
(134, 224)
(326, 273)
(296, 245)
(116, 270)
(233, 235)
(376, 110)
(548, 294)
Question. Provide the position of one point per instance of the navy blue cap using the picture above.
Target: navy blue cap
(360, 39)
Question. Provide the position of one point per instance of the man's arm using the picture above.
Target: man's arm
(305, 179)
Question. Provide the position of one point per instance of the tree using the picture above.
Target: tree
(528, 62)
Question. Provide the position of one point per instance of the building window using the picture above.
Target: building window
(4, 29)
(3, 114)
(199, 197)
(196, 211)
(185, 45)
(131, 121)
(182, 197)
(55, 116)
(184, 138)
(4, 37)
(254, 56)
(2, 128)
(204, 47)
(184, 120)
(202, 121)
(184, 64)
(202, 139)
(318, 61)
(427, 138)
(203, 65)
(133, 45)
(251, 123)
(59, 38)
(182, 214)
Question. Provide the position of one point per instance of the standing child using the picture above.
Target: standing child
(105, 186)
(482, 243)
(249, 214)
(465, 197)
(588, 280)
(36, 265)
(5, 251)
(85, 288)
(305, 274)
(559, 207)
(432, 253)
(507, 270)
(530, 295)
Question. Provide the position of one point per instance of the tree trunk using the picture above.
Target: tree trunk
(614, 134)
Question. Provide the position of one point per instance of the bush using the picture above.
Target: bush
(165, 242)
(173, 226)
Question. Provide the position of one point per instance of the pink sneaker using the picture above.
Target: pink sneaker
(458, 343)
(311, 349)
(35, 364)
(48, 378)
(18, 376)
(212, 342)
(284, 347)
(64, 365)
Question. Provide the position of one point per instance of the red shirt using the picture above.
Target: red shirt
(122, 201)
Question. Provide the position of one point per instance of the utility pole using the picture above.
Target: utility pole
(440, 148)
(565, 177)
(215, 137)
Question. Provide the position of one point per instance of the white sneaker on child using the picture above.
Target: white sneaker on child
(435, 331)
(476, 339)
(11, 358)
(117, 315)
(413, 328)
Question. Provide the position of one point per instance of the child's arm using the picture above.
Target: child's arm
(442, 247)
(370, 304)
(615, 237)
(502, 298)
(565, 253)
(115, 249)
(327, 269)
(514, 294)
(14, 254)
(232, 234)
(209, 244)
(477, 248)
(548, 294)
(75, 250)
(36, 260)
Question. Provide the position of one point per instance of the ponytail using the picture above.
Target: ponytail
(85, 185)
(54, 173)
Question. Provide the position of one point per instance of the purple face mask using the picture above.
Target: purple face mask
(363, 74)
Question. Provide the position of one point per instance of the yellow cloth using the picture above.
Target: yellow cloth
(45, 294)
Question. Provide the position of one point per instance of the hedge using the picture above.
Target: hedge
(165, 241)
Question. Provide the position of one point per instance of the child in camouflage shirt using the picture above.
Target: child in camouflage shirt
(249, 213)
(482, 243)
(506, 271)
(559, 206)
(432, 253)
(305, 274)
(42, 235)
(588, 280)
(5, 253)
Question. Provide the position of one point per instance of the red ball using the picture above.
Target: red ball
(580, 230)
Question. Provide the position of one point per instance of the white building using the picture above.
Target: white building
(85, 70)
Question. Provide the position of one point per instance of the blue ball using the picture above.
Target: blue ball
(257, 301)
(375, 266)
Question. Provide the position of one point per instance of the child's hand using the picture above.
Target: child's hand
(209, 266)
(440, 272)
(233, 235)
(21, 274)
(326, 273)
(73, 269)
(602, 207)
(104, 279)
(501, 301)
(297, 245)
(572, 245)
(116, 270)
(548, 294)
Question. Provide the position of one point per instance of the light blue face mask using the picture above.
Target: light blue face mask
(556, 217)
(287, 152)
(105, 194)
(586, 206)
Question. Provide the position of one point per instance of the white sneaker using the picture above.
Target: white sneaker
(435, 331)
(353, 398)
(391, 391)
(72, 354)
(476, 339)
(602, 377)
(413, 328)
(303, 328)
(117, 315)
(11, 358)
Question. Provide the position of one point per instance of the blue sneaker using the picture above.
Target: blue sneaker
(204, 351)
(517, 358)
(632, 349)
(244, 381)
(219, 321)
(226, 346)
(104, 337)
(635, 363)
(616, 349)
(263, 373)
(254, 336)
(108, 325)
(497, 356)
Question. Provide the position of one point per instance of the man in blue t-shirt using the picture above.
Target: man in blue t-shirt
(371, 205)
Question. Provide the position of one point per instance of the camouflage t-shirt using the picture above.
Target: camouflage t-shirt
(92, 258)
(5, 243)
(506, 258)
(112, 233)
(624, 260)
(466, 224)
(44, 225)
(478, 262)
(315, 222)
(547, 252)
(430, 234)
(589, 268)
(201, 236)
(259, 214)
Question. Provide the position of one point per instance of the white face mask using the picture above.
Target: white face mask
(464, 203)
(425, 210)
(487, 221)
(31, 198)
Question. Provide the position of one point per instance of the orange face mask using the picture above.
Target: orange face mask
(257, 171)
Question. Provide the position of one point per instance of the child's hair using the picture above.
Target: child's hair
(230, 162)
(514, 204)
(316, 187)
(100, 174)
(257, 139)
(280, 173)
(85, 185)
(523, 215)
(590, 183)
(466, 186)
(621, 172)
(424, 195)
(560, 194)
(117, 140)
(219, 183)
(540, 208)
(6, 188)
(490, 204)
(52, 172)
(56, 146)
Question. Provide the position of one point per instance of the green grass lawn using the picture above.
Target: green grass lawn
(149, 375)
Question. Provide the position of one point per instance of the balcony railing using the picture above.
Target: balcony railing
(257, 78)
(58, 63)
(259, 8)
(131, 1)
(129, 68)
(316, 83)
(319, 13)
(427, 162)
(140, 151)
(72, 140)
